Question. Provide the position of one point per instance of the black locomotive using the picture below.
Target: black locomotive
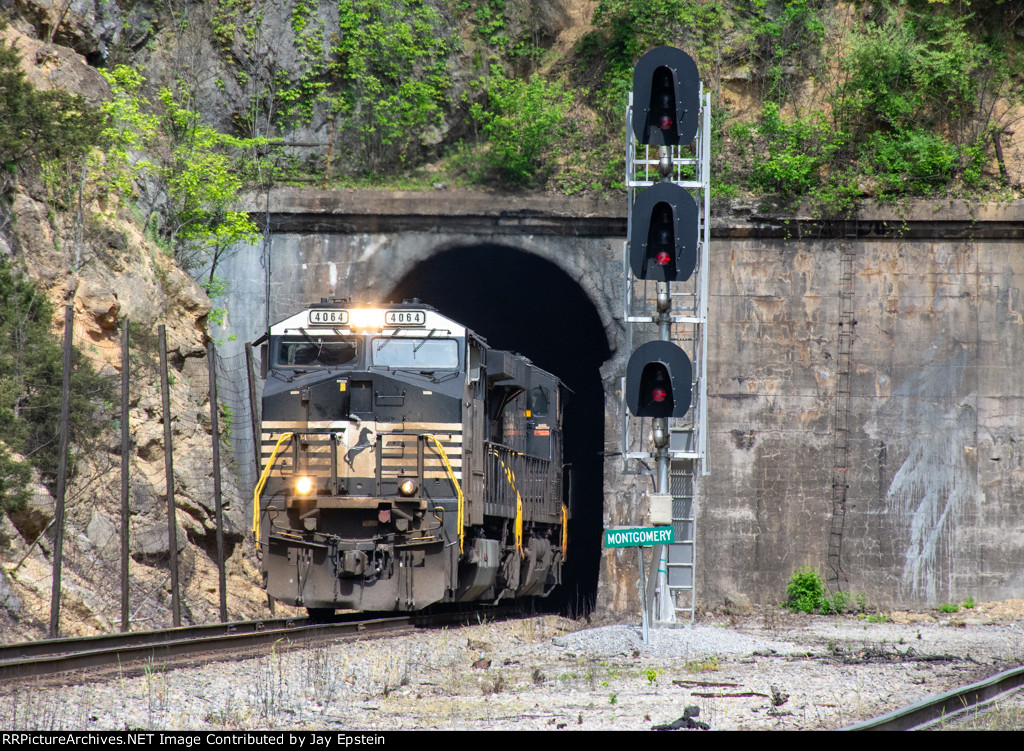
(405, 463)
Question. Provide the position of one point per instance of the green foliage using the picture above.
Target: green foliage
(14, 479)
(795, 152)
(707, 665)
(805, 591)
(911, 113)
(782, 33)
(625, 29)
(299, 93)
(912, 71)
(969, 603)
(40, 125)
(31, 361)
(914, 101)
(491, 24)
(392, 76)
(806, 594)
(914, 162)
(523, 121)
(949, 607)
(197, 170)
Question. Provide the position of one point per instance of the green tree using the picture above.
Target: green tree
(31, 362)
(522, 123)
(39, 124)
(197, 171)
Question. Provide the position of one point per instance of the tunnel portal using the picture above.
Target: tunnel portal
(523, 303)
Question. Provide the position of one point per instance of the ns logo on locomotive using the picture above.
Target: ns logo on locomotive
(404, 463)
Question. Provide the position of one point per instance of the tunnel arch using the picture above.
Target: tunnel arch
(522, 302)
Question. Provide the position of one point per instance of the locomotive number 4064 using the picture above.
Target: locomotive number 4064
(405, 318)
(323, 317)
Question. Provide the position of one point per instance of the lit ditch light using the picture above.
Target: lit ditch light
(407, 489)
(304, 485)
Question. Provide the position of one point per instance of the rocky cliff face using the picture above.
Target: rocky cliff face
(99, 262)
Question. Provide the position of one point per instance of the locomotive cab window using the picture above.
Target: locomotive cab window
(538, 402)
(314, 351)
(420, 354)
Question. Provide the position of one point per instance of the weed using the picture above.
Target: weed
(969, 603)
(233, 715)
(156, 691)
(708, 665)
(613, 699)
(499, 685)
(878, 618)
(806, 594)
(391, 672)
(268, 686)
(949, 607)
(652, 675)
(323, 676)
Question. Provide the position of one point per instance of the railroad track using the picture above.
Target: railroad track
(948, 706)
(54, 656)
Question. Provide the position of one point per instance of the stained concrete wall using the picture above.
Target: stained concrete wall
(934, 500)
(934, 504)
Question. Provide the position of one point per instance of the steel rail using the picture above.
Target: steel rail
(947, 706)
(48, 657)
(156, 636)
(53, 656)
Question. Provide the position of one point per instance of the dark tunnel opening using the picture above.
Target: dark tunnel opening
(521, 302)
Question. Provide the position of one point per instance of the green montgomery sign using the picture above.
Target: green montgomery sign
(629, 538)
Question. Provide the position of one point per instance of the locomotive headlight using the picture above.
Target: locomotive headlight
(407, 489)
(362, 319)
(303, 485)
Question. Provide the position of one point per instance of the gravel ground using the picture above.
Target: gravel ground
(773, 670)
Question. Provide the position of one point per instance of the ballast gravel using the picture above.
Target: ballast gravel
(772, 670)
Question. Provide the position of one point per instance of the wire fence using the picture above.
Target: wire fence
(94, 509)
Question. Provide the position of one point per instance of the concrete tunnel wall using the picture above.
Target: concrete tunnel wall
(934, 503)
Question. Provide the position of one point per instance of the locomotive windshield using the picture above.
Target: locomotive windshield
(314, 350)
(421, 354)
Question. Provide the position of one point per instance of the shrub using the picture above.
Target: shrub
(806, 591)
(794, 152)
(30, 389)
(39, 125)
(522, 123)
(914, 162)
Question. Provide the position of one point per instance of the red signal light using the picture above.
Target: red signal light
(666, 123)
(658, 394)
(664, 258)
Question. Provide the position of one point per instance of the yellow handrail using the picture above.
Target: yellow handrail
(259, 487)
(519, 503)
(458, 488)
(565, 533)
